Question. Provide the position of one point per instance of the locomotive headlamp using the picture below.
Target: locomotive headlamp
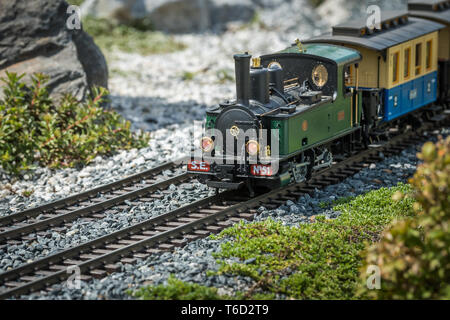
(207, 144)
(252, 147)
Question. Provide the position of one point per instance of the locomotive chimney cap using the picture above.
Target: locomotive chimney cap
(242, 56)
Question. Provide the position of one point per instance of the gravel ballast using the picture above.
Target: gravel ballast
(83, 230)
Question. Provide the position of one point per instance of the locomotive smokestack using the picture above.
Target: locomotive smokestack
(242, 68)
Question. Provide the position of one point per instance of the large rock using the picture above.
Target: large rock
(34, 37)
(177, 16)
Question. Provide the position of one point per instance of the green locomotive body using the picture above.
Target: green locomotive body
(312, 110)
(312, 125)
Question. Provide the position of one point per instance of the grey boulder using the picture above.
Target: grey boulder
(177, 16)
(35, 37)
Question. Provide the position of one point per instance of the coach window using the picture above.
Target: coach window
(395, 58)
(418, 58)
(429, 53)
(407, 66)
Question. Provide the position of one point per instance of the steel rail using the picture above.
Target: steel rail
(76, 198)
(58, 219)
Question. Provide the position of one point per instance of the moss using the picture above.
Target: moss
(177, 290)
(320, 260)
(188, 75)
(343, 200)
(27, 193)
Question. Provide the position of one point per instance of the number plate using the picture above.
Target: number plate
(195, 165)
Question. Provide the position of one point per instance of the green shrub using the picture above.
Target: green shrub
(177, 290)
(414, 254)
(34, 130)
(320, 260)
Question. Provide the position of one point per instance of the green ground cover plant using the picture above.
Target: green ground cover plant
(177, 290)
(321, 260)
(414, 254)
(38, 131)
(330, 204)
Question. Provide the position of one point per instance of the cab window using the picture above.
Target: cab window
(349, 78)
(348, 75)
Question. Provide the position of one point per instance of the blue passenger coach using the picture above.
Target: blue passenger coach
(398, 72)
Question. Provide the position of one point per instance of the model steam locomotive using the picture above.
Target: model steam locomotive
(295, 108)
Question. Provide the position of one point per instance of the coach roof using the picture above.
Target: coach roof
(396, 28)
(437, 10)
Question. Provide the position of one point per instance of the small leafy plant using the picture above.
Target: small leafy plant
(414, 254)
(177, 290)
(35, 130)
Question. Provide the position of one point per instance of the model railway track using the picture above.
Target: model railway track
(91, 204)
(99, 257)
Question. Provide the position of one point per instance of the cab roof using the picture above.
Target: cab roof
(339, 54)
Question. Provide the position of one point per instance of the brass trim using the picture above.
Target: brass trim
(268, 152)
(351, 107)
(234, 131)
(274, 63)
(300, 46)
(256, 62)
(290, 80)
